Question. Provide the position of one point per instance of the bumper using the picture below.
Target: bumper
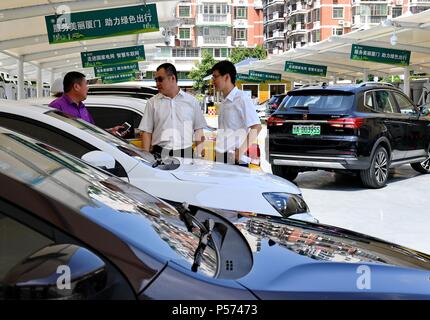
(318, 162)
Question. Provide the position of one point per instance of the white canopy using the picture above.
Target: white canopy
(23, 36)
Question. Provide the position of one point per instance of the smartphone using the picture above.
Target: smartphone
(125, 127)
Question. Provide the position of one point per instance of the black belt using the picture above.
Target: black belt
(159, 151)
(224, 158)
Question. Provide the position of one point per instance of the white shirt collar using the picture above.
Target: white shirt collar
(180, 93)
(232, 94)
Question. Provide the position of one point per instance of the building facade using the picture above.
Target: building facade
(291, 24)
(214, 26)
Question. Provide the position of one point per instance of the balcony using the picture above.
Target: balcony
(268, 3)
(214, 40)
(274, 36)
(296, 28)
(213, 19)
(274, 17)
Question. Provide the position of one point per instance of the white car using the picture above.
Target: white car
(201, 183)
(109, 110)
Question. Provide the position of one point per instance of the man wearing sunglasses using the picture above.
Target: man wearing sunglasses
(172, 119)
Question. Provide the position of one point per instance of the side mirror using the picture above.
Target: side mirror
(99, 159)
(424, 110)
(57, 272)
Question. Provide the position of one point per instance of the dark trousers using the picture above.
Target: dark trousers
(159, 151)
(224, 158)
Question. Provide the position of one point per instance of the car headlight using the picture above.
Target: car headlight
(286, 204)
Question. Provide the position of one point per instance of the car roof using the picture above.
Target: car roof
(352, 88)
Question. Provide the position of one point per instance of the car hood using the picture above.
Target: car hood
(209, 172)
(308, 259)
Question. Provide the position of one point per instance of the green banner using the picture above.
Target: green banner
(116, 69)
(259, 75)
(246, 78)
(112, 56)
(101, 23)
(305, 68)
(119, 77)
(381, 55)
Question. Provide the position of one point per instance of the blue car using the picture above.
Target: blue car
(71, 231)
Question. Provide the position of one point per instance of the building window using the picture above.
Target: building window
(316, 15)
(240, 34)
(253, 88)
(240, 13)
(210, 51)
(337, 13)
(216, 8)
(316, 36)
(184, 33)
(184, 11)
(276, 89)
(337, 31)
(397, 11)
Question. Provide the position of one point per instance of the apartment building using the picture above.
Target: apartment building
(294, 23)
(214, 26)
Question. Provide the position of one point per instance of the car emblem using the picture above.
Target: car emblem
(305, 116)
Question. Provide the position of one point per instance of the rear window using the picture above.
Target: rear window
(272, 100)
(320, 103)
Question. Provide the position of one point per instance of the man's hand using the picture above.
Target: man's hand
(199, 153)
(115, 131)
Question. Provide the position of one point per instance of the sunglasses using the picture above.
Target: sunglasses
(159, 79)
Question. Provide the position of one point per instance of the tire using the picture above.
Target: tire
(423, 167)
(376, 175)
(285, 172)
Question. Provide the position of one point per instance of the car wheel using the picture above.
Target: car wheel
(285, 172)
(423, 167)
(376, 175)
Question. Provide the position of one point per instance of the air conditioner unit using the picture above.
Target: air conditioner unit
(346, 24)
(341, 22)
(399, 2)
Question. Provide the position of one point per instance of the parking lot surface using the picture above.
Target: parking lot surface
(398, 213)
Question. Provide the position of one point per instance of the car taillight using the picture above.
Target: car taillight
(352, 123)
(275, 121)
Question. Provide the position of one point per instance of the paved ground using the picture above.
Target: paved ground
(398, 213)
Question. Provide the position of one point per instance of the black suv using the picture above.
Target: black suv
(274, 102)
(366, 128)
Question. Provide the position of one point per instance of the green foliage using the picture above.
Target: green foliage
(239, 54)
(201, 70)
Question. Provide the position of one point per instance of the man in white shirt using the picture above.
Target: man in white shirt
(238, 122)
(172, 118)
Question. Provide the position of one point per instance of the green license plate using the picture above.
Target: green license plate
(306, 130)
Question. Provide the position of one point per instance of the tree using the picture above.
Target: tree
(201, 70)
(239, 54)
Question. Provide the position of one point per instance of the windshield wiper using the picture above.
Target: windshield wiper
(205, 233)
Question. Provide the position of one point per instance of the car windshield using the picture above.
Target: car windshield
(119, 143)
(317, 103)
(129, 212)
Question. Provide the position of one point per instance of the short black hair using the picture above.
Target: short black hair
(71, 78)
(226, 67)
(170, 69)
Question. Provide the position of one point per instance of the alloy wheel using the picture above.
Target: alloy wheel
(426, 163)
(381, 167)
